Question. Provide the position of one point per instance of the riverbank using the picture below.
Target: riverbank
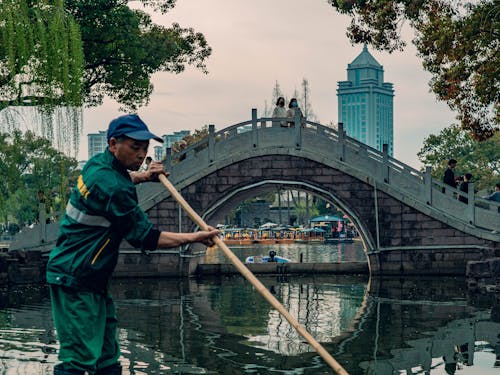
(28, 266)
(287, 268)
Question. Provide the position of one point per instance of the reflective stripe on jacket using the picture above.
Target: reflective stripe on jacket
(102, 210)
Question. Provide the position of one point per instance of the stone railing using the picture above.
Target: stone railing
(334, 148)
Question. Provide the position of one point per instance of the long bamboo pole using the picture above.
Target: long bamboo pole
(254, 281)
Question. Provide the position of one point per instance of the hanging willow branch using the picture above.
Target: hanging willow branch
(41, 66)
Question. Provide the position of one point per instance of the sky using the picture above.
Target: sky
(256, 43)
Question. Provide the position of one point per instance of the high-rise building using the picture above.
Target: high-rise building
(170, 139)
(97, 143)
(365, 103)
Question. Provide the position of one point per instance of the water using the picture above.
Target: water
(311, 252)
(222, 326)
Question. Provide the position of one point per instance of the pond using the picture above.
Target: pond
(308, 252)
(223, 326)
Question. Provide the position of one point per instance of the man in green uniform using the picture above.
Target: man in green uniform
(102, 210)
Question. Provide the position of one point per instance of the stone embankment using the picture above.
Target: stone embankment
(484, 276)
(22, 267)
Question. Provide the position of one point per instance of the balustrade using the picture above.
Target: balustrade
(342, 152)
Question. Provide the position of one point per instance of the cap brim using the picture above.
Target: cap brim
(143, 135)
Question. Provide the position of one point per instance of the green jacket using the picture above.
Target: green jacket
(102, 210)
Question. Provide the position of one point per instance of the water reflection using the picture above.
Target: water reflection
(222, 326)
(310, 252)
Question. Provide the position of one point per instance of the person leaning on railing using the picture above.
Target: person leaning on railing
(495, 196)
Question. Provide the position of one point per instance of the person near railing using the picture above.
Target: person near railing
(449, 175)
(280, 111)
(464, 187)
(495, 196)
(293, 109)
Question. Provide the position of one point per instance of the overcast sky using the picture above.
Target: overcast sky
(258, 42)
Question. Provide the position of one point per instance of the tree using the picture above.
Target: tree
(458, 45)
(55, 53)
(481, 159)
(41, 55)
(123, 48)
(277, 93)
(306, 101)
(41, 65)
(28, 165)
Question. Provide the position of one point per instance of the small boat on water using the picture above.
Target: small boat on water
(271, 258)
(339, 240)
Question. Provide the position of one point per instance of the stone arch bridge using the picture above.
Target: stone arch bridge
(406, 222)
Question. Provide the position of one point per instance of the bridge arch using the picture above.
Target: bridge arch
(228, 201)
(407, 223)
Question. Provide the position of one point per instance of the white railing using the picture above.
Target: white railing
(338, 150)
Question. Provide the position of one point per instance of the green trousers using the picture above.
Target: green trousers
(86, 326)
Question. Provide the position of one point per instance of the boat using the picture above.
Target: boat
(307, 235)
(343, 237)
(271, 258)
(339, 240)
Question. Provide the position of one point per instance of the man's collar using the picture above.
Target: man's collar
(115, 163)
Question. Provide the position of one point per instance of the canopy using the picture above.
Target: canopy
(268, 225)
(326, 218)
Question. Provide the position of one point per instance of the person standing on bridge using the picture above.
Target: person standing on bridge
(102, 210)
(280, 111)
(293, 110)
(449, 175)
(464, 187)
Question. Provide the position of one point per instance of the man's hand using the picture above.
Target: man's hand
(206, 237)
(155, 169)
(173, 239)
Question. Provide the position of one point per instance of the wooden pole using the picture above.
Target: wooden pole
(254, 281)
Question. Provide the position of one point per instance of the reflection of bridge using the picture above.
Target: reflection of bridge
(408, 225)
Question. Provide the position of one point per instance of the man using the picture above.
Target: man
(102, 210)
(449, 176)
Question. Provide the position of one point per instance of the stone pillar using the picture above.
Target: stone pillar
(211, 143)
(428, 184)
(341, 144)
(385, 150)
(255, 137)
(470, 204)
(168, 159)
(298, 130)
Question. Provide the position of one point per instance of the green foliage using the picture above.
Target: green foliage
(481, 159)
(41, 57)
(41, 66)
(56, 54)
(29, 164)
(124, 48)
(457, 41)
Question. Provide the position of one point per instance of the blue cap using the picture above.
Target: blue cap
(130, 126)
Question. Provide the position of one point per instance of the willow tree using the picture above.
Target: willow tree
(57, 54)
(458, 42)
(41, 66)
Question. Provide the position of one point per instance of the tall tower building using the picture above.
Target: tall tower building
(97, 143)
(365, 103)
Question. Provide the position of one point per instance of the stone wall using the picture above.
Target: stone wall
(398, 238)
(22, 267)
